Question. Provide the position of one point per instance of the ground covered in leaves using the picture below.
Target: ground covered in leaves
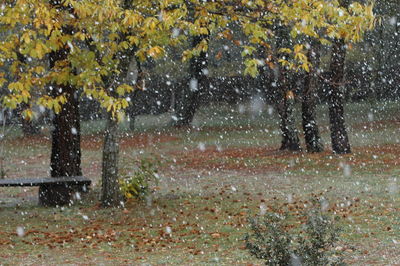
(214, 177)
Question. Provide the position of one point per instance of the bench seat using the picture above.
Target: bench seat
(33, 182)
(53, 191)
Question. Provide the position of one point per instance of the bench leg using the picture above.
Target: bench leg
(54, 195)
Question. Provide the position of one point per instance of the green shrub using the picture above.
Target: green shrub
(321, 234)
(269, 240)
(272, 241)
(137, 184)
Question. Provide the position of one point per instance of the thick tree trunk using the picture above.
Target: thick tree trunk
(65, 150)
(188, 100)
(284, 97)
(339, 137)
(310, 127)
(290, 137)
(308, 106)
(111, 195)
(65, 157)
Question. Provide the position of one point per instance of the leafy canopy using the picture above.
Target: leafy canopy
(96, 36)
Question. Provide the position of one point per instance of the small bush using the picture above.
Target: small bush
(316, 246)
(272, 241)
(269, 240)
(137, 184)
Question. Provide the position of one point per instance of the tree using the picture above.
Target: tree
(202, 20)
(89, 45)
(135, 33)
(284, 95)
(339, 137)
(65, 159)
(34, 36)
(308, 104)
(189, 96)
(329, 24)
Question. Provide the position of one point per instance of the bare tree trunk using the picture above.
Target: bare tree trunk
(111, 195)
(308, 106)
(339, 137)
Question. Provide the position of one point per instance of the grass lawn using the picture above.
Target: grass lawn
(214, 177)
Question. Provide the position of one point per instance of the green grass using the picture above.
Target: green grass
(205, 199)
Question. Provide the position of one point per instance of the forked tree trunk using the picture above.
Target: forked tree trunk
(188, 101)
(111, 195)
(308, 106)
(339, 137)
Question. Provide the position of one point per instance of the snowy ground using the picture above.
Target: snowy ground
(213, 178)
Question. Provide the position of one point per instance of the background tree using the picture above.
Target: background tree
(284, 93)
(201, 22)
(308, 104)
(324, 23)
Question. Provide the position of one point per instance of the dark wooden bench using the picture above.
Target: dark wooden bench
(52, 190)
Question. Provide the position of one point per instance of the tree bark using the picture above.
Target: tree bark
(111, 195)
(284, 97)
(132, 119)
(188, 101)
(65, 157)
(290, 137)
(308, 106)
(66, 151)
(139, 85)
(339, 137)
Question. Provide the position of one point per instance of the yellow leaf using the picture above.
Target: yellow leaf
(27, 114)
(155, 51)
(298, 48)
(305, 67)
